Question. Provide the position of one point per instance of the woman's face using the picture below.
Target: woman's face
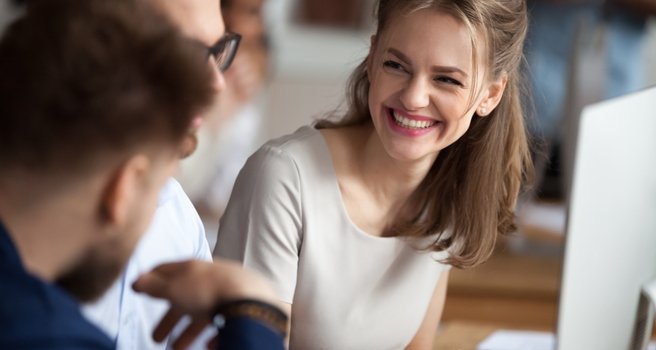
(421, 73)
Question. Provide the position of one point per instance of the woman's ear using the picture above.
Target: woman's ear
(123, 189)
(492, 96)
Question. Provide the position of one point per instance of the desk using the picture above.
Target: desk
(461, 336)
(514, 289)
(511, 290)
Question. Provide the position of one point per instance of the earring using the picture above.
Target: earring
(483, 111)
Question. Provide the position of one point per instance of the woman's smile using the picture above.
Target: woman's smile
(411, 125)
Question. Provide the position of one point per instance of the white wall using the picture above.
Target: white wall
(310, 68)
(310, 71)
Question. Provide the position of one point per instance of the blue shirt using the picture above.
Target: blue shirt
(176, 233)
(35, 314)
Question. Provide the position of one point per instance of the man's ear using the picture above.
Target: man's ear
(492, 96)
(123, 189)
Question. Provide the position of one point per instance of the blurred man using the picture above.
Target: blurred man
(231, 131)
(176, 232)
(96, 108)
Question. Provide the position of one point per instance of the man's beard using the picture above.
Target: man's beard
(91, 277)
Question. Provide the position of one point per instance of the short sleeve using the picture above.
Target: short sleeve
(261, 226)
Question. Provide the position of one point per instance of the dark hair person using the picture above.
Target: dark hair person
(96, 100)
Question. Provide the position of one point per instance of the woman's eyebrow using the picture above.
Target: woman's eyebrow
(437, 68)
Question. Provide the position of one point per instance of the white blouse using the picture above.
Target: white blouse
(349, 290)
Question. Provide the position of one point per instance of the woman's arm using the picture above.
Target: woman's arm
(262, 224)
(425, 336)
(287, 308)
(261, 227)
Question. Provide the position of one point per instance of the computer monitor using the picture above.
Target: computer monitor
(610, 243)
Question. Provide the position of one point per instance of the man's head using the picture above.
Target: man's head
(202, 21)
(96, 98)
(244, 17)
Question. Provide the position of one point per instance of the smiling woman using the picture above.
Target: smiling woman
(358, 219)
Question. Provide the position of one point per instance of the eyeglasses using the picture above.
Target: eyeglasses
(223, 52)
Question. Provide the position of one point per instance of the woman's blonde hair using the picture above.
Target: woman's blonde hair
(469, 195)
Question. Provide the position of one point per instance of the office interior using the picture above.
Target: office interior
(518, 287)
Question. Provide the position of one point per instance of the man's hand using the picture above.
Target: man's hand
(195, 288)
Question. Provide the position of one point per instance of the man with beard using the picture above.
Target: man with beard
(176, 232)
(96, 99)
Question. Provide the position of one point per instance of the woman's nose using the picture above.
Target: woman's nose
(415, 95)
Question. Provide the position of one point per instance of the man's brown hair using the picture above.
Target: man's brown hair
(82, 80)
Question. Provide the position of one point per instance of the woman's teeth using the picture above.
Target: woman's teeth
(411, 123)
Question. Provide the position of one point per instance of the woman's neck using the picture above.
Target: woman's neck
(375, 187)
(388, 178)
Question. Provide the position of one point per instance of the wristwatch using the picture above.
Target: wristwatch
(268, 314)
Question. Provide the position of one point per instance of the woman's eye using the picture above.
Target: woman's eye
(394, 65)
(448, 80)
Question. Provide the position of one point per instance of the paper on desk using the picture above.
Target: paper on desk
(518, 340)
(550, 217)
(524, 340)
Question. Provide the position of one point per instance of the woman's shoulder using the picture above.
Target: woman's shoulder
(301, 152)
(305, 139)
